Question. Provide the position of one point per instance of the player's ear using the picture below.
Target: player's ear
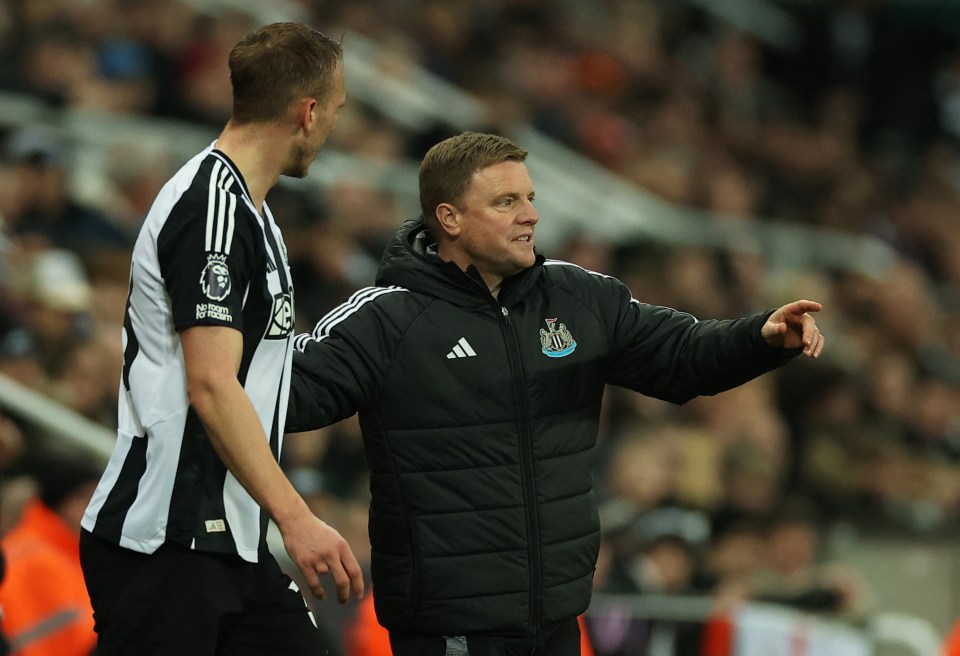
(306, 113)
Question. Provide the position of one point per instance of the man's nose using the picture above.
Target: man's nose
(529, 214)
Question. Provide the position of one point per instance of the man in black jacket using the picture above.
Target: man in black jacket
(478, 368)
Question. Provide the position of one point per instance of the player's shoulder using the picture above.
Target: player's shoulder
(207, 176)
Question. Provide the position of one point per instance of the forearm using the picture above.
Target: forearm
(236, 433)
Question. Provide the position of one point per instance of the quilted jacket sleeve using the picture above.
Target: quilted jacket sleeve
(338, 368)
(671, 355)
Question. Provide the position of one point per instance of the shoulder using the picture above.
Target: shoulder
(203, 203)
(365, 306)
(575, 278)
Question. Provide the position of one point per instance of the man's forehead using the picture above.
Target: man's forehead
(504, 177)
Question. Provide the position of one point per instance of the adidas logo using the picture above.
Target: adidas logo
(462, 350)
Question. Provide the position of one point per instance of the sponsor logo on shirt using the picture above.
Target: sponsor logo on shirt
(215, 278)
(281, 322)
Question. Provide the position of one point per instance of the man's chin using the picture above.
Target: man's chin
(298, 173)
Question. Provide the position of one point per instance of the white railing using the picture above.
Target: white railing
(56, 419)
(759, 629)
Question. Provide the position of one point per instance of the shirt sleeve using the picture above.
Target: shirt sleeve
(206, 258)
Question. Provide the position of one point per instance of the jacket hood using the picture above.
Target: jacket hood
(411, 261)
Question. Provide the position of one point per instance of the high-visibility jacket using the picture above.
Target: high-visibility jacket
(951, 647)
(46, 610)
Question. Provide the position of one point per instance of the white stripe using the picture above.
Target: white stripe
(244, 525)
(335, 316)
(300, 341)
(603, 275)
(355, 298)
(459, 351)
(229, 166)
(217, 240)
(211, 204)
(231, 220)
(221, 208)
(326, 330)
(466, 346)
(344, 309)
(577, 266)
(222, 203)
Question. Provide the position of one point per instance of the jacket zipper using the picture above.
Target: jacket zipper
(527, 473)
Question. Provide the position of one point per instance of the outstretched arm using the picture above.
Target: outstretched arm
(212, 356)
(792, 326)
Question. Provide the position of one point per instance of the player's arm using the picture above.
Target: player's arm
(212, 357)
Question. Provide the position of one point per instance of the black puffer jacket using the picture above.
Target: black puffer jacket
(479, 417)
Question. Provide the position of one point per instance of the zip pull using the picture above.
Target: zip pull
(506, 314)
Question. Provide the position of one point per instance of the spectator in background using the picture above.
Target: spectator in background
(56, 296)
(47, 214)
(732, 556)
(794, 573)
(46, 610)
(664, 565)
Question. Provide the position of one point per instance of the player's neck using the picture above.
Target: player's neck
(253, 149)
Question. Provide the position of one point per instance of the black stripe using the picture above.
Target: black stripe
(198, 491)
(277, 254)
(114, 511)
(133, 344)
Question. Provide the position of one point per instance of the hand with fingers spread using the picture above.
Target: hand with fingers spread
(792, 326)
(317, 549)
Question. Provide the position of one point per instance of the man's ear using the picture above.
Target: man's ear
(448, 217)
(306, 112)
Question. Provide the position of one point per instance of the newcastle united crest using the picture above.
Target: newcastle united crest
(556, 341)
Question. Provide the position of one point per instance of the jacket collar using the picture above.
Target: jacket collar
(411, 261)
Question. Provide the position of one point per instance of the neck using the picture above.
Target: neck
(493, 282)
(253, 149)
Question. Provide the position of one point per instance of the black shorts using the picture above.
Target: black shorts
(561, 639)
(194, 603)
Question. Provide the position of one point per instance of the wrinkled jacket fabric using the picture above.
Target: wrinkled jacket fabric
(482, 516)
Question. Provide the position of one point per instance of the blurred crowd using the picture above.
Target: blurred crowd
(850, 122)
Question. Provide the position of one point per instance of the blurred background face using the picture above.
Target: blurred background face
(792, 547)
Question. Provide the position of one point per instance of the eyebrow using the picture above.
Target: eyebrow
(514, 194)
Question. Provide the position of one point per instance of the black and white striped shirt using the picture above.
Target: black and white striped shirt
(204, 256)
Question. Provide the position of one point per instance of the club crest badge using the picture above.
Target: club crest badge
(215, 278)
(556, 341)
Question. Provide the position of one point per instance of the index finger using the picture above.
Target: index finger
(803, 305)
